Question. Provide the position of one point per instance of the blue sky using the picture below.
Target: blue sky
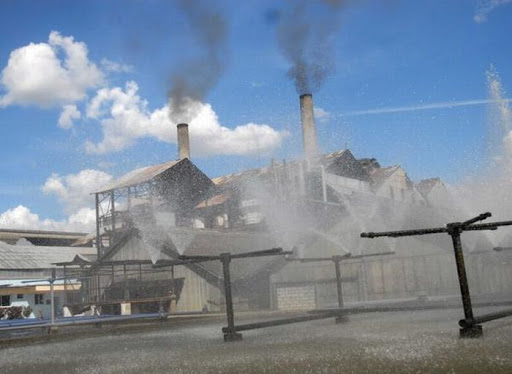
(386, 54)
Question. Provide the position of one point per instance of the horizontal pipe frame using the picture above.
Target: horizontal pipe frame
(470, 325)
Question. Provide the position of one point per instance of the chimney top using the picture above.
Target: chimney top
(183, 141)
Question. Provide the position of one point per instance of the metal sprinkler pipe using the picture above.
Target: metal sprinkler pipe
(470, 326)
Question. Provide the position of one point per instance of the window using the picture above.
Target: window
(20, 296)
(5, 300)
(38, 297)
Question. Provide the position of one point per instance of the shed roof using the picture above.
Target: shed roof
(204, 242)
(40, 237)
(139, 176)
(35, 257)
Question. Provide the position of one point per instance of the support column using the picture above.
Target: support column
(471, 330)
(230, 335)
(337, 260)
(98, 238)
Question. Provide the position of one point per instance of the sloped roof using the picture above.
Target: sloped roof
(38, 237)
(214, 200)
(139, 176)
(380, 175)
(81, 259)
(36, 257)
(213, 242)
(206, 242)
(426, 185)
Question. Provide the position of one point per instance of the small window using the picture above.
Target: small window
(5, 300)
(38, 297)
(20, 296)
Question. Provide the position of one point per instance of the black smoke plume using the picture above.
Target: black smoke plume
(195, 78)
(305, 32)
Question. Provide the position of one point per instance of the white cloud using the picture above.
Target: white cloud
(484, 7)
(115, 67)
(73, 190)
(321, 114)
(59, 73)
(68, 115)
(22, 218)
(125, 117)
(47, 74)
(73, 193)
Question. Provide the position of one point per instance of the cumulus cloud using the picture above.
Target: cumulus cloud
(22, 217)
(73, 190)
(73, 193)
(47, 74)
(68, 115)
(125, 117)
(484, 7)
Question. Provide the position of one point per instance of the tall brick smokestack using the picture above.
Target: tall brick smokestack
(183, 142)
(308, 126)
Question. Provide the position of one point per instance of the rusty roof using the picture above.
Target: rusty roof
(139, 176)
(212, 201)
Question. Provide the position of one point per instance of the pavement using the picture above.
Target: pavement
(385, 342)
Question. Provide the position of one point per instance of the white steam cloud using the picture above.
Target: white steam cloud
(125, 117)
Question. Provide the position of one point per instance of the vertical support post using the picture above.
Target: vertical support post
(129, 198)
(337, 260)
(52, 297)
(231, 335)
(472, 330)
(65, 297)
(125, 288)
(172, 296)
(98, 288)
(172, 278)
(324, 185)
(113, 213)
(98, 238)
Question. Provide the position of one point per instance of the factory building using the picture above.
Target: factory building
(315, 207)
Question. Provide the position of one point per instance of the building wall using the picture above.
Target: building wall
(346, 185)
(398, 277)
(40, 310)
(197, 293)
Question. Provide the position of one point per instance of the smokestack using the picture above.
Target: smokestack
(308, 126)
(183, 143)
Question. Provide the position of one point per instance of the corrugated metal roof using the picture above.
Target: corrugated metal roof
(37, 257)
(139, 176)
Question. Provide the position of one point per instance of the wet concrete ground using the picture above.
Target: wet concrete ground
(410, 342)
